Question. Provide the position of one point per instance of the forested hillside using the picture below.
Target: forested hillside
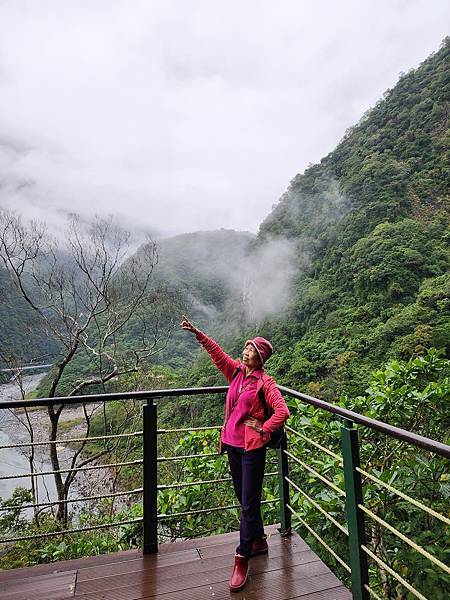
(198, 269)
(370, 223)
(21, 338)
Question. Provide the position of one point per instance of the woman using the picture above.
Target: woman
(244, 436)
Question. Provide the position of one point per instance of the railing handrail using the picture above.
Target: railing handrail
(396, 432)
(89, 398)
(390, 430)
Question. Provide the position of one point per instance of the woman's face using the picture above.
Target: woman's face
(250, 357)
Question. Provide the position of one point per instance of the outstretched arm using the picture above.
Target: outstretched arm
(221, 359)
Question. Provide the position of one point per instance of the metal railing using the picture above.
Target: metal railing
(149, 462)
(352, 495)
(350, 490)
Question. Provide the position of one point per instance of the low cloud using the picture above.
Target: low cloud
(234, 268)
(264, 279)
(183, 116)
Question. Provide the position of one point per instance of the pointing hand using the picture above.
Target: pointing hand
(187, 325)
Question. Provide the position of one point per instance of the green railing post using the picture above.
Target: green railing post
(283, 472)
(150, 472)
(355, 517)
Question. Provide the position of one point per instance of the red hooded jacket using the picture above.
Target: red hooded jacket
(274, 399)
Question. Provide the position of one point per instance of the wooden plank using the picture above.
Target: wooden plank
(280, 585)
(279, 590)
(278, 546)
(202, 567)
(69, 565)
(146, 587)
(195, 542)
(339, 593)
(196, 569)
(158, 560)
(291, 583)
(48, 587)
(150, 562)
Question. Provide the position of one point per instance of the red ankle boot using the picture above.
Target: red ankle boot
(240, 573)
(259, 547)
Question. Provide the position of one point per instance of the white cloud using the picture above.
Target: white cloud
(189, 115)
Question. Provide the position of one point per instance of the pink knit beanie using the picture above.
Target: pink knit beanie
(262, 346)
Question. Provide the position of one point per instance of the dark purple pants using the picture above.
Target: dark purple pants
(247, 472)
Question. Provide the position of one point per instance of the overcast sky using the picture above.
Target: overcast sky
(185, 115)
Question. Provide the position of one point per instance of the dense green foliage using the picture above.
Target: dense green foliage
(412, 395)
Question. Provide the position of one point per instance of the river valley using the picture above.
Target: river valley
(12, 431)
(15, 461)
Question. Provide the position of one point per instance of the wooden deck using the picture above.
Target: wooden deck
(191, 570)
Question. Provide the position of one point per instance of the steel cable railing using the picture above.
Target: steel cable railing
(330, 485)
(206, 482)
(202, 511)
(73, 500)
(405, 539)
(185, 456)
(111, 465)
(76, 470)
(352, 495)
(320, 539)
(37, 536)
(72, 470)
(319, 508)
(94, 438)
(66, 501)
(326, 481)
(316, 445)
(354, 505)
(394, 574)
(404, 496)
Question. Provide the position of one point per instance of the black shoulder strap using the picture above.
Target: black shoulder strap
(262, 399)
(235, 374)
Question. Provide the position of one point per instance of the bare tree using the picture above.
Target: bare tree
(85, 291)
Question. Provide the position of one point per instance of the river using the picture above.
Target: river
(14, 460)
